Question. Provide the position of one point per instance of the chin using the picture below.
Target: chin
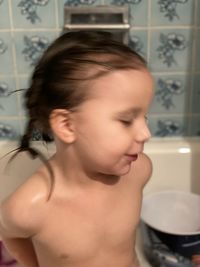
(123, 171)
(117, 170)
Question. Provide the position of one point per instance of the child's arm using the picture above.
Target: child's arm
(22, 250)
(15, 238)
(20, 219)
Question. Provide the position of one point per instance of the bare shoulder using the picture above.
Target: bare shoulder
(141, 170)
(22, 213)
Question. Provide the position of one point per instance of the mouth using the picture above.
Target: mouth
(132, 157)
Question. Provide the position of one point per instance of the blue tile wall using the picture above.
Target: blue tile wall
(29, 46)
(166, 33)
(138, 41)
(4, 15)
(170, 50)
(171, 94)
(167, 13)
(29, 15)
(138, 10)
(6, 53)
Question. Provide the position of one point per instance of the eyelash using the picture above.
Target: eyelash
(128, 123)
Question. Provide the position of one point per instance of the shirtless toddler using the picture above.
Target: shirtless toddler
(90, 94)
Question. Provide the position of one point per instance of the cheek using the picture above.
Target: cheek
(104, 136)
(113, 140)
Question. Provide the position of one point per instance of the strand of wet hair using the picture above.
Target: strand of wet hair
(33, 152)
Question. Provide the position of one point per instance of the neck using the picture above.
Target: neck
(71, 172)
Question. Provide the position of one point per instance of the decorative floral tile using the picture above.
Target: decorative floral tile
(8, 99)
(6, 59)
(29, 48)
(168, 12)
(4, 15)
(171, 94)
(9, 129)
(170, 50)
(195, 126)
(81, 2)
(138, 41)
(197, 49)
(34, 14)
(196, 95)
(138, 10)
(162, 126)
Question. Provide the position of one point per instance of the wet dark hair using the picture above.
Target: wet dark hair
(62, 74)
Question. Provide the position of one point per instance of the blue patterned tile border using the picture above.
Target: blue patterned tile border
(171, 94)
(6, 55)
(171, 50)
(163, 126)
(37, 14)
(138, 41)
(4, 15)
(29, 48)
(9, 129)
(8, 100)
(172, 12)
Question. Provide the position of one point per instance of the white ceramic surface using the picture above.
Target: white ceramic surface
(172, 212)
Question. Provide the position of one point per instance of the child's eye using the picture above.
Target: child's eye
(126, 123)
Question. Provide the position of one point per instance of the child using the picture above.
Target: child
(91, 95)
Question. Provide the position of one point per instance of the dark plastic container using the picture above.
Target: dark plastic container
(171, 226)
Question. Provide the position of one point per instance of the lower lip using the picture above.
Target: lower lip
(132, 157)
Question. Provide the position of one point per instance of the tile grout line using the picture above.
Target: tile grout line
(56, 14)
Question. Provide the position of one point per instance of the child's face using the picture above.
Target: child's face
(111, 125)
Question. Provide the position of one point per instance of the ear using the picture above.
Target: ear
(62, 126)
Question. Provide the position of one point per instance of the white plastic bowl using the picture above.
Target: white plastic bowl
(174, 218)
(172, 212)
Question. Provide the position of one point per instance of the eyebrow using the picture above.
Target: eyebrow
(129, 111)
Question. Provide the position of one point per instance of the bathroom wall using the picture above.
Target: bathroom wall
(165, 32)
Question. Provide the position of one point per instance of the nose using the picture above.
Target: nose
(143, 134)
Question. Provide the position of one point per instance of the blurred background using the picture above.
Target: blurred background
(166, 33)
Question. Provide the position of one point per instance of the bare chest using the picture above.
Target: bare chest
(82, 228)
